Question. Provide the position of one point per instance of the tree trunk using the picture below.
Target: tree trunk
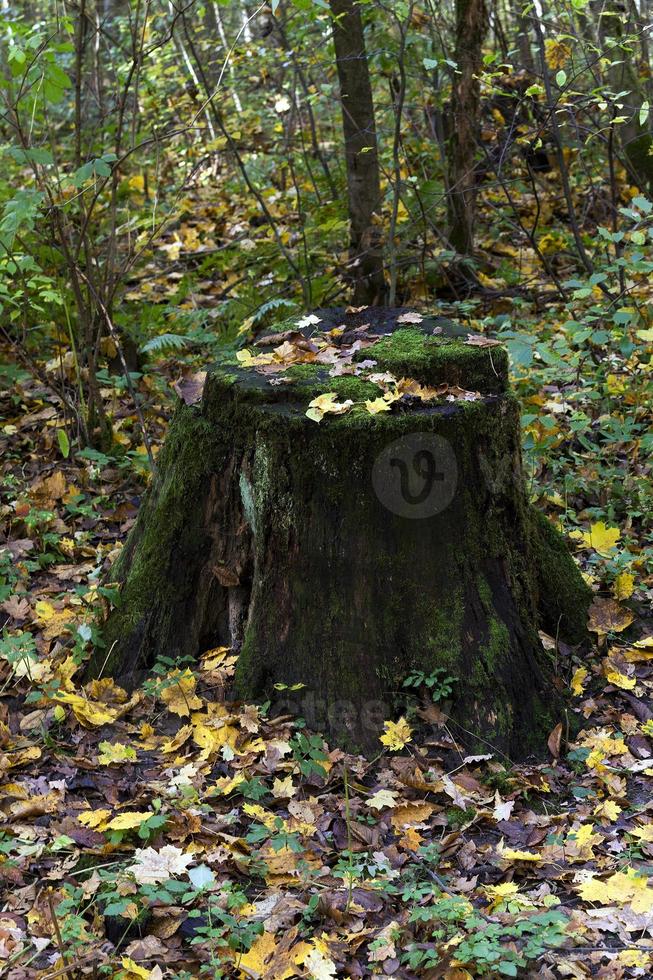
(524, 39)
(342, 555)
(361, 154)
(471, 27)
(617, 29)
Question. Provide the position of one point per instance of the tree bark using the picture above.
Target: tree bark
(616, 25)
(471, 28)
(361, 152)
(338, 557)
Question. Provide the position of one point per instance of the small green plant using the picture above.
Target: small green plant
(488, 948)
(278, 837)
(438, 683)
(308, 751)
(221, 928)
(146, 831)
(253, 789)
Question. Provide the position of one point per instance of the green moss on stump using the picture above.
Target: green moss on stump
(436, 360)
(563, 595)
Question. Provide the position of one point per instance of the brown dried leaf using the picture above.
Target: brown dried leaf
(608, 616)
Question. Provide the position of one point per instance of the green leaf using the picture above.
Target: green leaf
(64, 444)
(643, 204)
(643, 113)
(561, 78)
(33, 155)
(165, 341)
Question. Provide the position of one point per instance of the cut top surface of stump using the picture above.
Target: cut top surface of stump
(361, 355)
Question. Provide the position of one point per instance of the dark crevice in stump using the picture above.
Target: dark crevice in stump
(343, 555)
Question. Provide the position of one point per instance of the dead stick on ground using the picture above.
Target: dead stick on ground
(57, 932)
(82, 961)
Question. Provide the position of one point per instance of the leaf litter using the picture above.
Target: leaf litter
(170, 832)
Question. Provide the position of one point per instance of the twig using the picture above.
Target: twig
(57, 932)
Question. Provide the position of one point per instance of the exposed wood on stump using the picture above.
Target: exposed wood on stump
(343, 555)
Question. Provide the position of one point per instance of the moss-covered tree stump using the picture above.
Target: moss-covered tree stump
(347, 553)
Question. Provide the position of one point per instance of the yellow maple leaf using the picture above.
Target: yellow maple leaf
(633, 655)
(105, 690)
(376, 405)
(283, 788)
(65, 671)
(226, 785)
(646, 643)
(397, 734)
(254, 962)
(634, 957)
(327, 404)
(115, 752)
(411, 839)
(211, 740)
(409, 814)
(175, 743)
(623, 586)
(88, 713)
(557, 53)
(179, 693)
(131, 970)
(599, 537)
(129, 821)
(644, 833)
(508, 854)
(54, 621)
(382, 798)
(608, 809)
(499, 893)
(578, 680)
(618, 679)
(581, 842)
(94, 819)
(621, 888)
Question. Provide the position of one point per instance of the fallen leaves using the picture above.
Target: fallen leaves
(115, 753)
(599, 537)
(607, 616)
(128, 821)
(622, 888)
(396, 735)
(382, 799)
(178, 693)
(510, 854)
(89, 713)
(578, 681)
(151, 867)
(327, 404)
(180, 793)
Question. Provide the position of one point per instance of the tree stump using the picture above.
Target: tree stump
(339, 556)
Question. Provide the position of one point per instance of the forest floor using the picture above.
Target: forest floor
(170, 833)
